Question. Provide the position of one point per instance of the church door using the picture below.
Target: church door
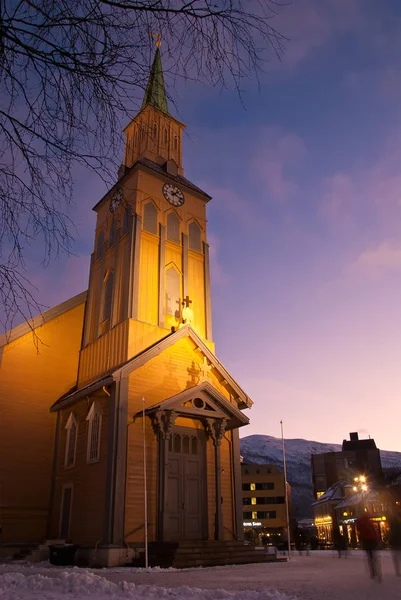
(184, 515)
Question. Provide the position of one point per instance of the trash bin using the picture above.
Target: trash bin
(62, 554)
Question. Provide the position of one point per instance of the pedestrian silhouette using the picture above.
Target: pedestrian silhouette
(395, 538)
(369, 537)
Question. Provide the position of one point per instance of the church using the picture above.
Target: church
(125, 425)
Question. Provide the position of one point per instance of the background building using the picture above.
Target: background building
(357, 457)
(263, 499)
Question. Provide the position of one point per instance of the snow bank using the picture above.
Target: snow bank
(80, 583)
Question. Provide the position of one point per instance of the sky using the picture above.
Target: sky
(304, 225)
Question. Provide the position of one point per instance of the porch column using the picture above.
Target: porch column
(216, 428)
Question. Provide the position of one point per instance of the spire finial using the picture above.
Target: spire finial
(158, 39)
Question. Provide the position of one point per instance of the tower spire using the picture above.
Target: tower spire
(155, 93)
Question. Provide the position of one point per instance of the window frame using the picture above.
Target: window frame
(93, 411)
(71, 421)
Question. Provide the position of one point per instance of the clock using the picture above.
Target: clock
(173, 194)
(116, 199)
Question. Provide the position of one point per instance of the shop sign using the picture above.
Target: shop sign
(252, 524)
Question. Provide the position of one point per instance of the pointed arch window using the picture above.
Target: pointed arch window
(71, 440)
(150, 218)
(94, 419)
(154, 130)
(194, 236)
(107, 296)
(173, 292)
(127, 219)
(175, 142)
(99, 244)
(173, 227)
(113, 232)
(165, 136)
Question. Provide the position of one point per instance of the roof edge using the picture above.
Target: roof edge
(41, 319)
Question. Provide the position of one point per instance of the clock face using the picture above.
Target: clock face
(116, 200)
(173, 194)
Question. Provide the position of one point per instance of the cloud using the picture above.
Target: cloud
(275, 154)
(310, 24)
(374, 262)
(217, 273)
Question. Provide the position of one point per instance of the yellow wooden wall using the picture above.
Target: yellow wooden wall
(196, 290)
(148, 301)
(88, 480)
(164, 376)
(30, 382)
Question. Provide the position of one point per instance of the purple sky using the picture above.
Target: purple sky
(304, 225)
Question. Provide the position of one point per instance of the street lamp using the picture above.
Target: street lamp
(360, 486)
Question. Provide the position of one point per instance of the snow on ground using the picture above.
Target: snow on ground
(25, 584)
(320, 576)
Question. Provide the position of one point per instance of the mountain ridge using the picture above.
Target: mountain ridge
(260, 449)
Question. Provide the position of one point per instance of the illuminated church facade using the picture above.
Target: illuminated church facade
(125, 368)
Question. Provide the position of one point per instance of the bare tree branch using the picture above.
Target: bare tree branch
(70, 70)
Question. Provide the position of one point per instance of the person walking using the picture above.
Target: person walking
(395, 538)
(369, 537)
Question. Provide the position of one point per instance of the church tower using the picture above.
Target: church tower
(150, 266)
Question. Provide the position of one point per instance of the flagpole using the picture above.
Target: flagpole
(286, 493)
(145, 484)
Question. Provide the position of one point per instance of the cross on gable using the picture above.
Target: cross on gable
(187, 301)
(204, 370)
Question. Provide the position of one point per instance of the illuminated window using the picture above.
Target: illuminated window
(253, 487)
(319, 494)
(254, 515)
(95, 424)
(71, 440)
(194, 236)
(173, 292)
(173, 227)
(253, 500)
(150, 217)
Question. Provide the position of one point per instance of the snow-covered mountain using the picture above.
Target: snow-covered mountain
(267, 449)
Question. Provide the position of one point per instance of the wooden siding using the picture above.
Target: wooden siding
(88, 480)
(149, 279)
(211, 488)
(29, 384)
(134, 507)
(227, 488)
(196, 291)
(110, 350)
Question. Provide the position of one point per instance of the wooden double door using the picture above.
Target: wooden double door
(184, 506)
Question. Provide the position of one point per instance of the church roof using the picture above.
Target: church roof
(160, 170)
(155, 93)
(177, 178)
(39, 320)
(118, 373)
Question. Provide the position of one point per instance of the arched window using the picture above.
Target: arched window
(194, 236)
(165, 136)
(94, 419)
(113, 232)
(107, 296)
(173, 292)
(150, 218)
(173, 227)
(127, 219)
(99, 244)
(175, 142)
(155, 130)
(71, 440)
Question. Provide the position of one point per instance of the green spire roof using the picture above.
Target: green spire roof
(155, 93)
